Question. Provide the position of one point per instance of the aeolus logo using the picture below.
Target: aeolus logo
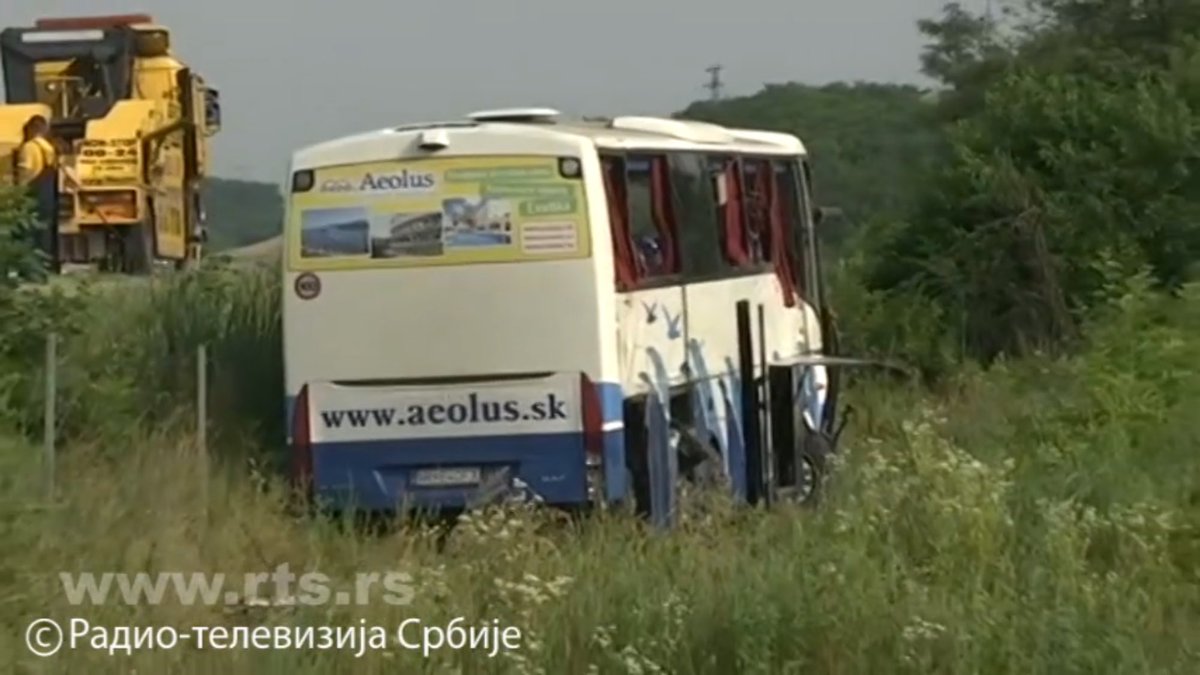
(403, 181)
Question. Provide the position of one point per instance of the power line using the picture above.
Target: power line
(714, 84)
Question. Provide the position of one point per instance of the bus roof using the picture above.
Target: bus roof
(544, 126)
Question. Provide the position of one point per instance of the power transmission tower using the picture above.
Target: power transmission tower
(714, 84)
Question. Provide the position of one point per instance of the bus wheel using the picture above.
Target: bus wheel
(628, 503)
(637, 462)
(813, 452)
(699, 460)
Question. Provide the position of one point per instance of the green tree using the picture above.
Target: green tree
(1060, 190)
(19, 260)
(1072, 169)
(965, 54)
(28, 312)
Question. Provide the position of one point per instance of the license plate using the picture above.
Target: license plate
(446, 476)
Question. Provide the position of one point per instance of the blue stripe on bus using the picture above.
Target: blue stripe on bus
(615, 478)
(376, 475)
(612, 401)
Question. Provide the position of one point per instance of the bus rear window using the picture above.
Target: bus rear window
(428, 212)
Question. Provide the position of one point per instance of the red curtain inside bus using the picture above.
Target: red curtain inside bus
(734, 217)
(780, 234)
(614, 189)
(664, 214)
(758, 203)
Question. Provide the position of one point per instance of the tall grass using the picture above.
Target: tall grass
(1040, 517)
(128, 355)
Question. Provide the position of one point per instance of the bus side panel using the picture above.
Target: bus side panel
(651, 339)
(712, 350)
(608, 329)
(673, 336)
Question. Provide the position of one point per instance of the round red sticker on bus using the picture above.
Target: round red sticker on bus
(308, 286)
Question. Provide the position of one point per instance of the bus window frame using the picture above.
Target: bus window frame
(675, 278)
(673, 223)
(763, 211)
(811, 284)
(751, 268)
(727, 272)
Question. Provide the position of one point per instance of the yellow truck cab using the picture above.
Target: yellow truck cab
(132, 123)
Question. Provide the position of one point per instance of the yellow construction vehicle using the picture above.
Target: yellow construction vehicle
(132, 123)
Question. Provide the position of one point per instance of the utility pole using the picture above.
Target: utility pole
(714, 84)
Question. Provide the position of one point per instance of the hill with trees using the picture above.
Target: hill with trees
(241, 212)
(871, 144)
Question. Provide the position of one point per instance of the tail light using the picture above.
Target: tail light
(593, 437)
(593, 421)
(302, 459)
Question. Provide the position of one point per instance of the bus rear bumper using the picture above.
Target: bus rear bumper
(385, 475)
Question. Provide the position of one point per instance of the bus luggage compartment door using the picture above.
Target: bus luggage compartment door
(448, 444)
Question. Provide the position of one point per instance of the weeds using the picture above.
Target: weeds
(1040, 516)
(128, 355)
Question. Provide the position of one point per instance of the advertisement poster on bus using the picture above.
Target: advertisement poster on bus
(437, 212)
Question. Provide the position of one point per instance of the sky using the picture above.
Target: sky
(296, 72)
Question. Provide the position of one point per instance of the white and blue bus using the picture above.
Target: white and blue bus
(485, 307)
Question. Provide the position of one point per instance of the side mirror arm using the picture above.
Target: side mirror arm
(824, 213)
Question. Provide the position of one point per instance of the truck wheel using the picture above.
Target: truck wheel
(138, 249)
